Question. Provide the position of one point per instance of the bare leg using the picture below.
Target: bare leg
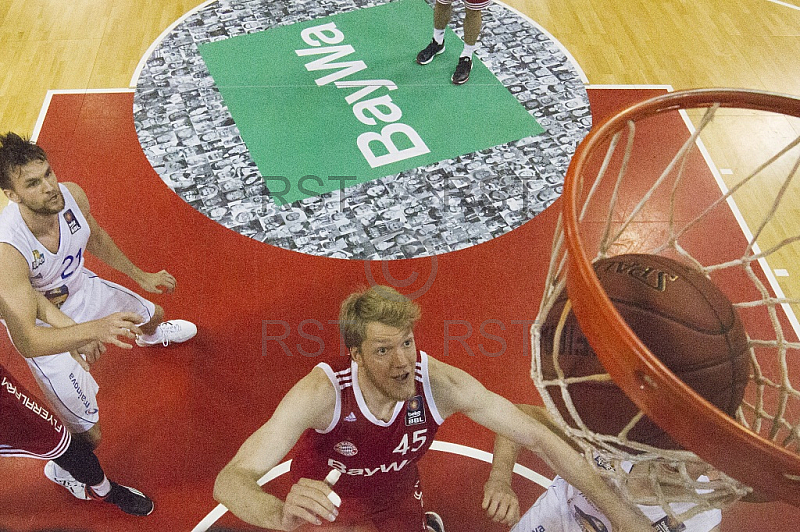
(151, 326)
(91, 437)
(472, 26)
(441, 15)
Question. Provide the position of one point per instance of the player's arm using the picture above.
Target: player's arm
(308, 405)
(456, 391)
(499, 500)
(20, 305)
(102, 246)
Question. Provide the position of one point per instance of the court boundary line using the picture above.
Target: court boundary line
(37, 128)
(737, 214)
(443, 446)
(785, 4)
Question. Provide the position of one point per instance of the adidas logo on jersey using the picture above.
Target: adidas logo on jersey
(350, 417)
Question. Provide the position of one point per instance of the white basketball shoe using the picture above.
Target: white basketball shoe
(61, 477)
(169, 332)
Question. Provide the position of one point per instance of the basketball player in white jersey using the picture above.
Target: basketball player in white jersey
(371, 418)
(565, 508)
(45, 231)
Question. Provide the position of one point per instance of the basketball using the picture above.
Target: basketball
(680, 315)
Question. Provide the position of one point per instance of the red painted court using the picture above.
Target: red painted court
(173, 417)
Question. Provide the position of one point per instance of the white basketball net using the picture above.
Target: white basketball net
(632, 224)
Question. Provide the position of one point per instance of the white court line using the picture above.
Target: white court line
(784, 4)
(37, 128)
(771, 279)
(437, 445)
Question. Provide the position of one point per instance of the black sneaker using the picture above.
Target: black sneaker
(461, 75)
(430, 51)
(129, 500)
(434, 522)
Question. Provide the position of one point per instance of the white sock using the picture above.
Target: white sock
(438, 36)
(468, 49)
(155, 337)
(102, 489)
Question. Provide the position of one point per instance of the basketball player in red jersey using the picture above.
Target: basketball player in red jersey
(29, 430)
(372, 419)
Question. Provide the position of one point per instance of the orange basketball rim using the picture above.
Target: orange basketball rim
(740, 452)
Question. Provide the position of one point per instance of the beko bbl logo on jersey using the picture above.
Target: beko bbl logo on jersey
(72, 222)
(415, 411)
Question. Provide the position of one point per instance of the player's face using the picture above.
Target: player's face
(387, 359)
(35, 186)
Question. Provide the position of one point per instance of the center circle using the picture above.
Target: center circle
(190, 138)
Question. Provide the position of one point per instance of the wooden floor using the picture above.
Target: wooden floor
(96, 44)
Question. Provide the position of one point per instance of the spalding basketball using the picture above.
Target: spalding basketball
(680, 315)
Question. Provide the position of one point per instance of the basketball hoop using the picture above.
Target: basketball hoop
(623, 196)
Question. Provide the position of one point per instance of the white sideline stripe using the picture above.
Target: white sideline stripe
(773, 282)
(784, 4)
(220, 510)
(483, 456)
(437, 445)
(137, 72)
(37, 128)
(561, 47)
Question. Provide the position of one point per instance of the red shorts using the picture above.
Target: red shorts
(404, 514)
(27, 428)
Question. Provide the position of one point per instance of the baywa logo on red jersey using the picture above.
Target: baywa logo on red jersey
(346, 448)
(415, 411)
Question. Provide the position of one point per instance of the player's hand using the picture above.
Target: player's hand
(110, 329)
(308, 502)
(80, 360)
(500, 502)
(157, 283)
(88, 354)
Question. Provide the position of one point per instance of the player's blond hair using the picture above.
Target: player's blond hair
(382, 304)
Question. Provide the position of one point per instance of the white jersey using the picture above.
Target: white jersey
(56, 275)
(80, 294)
(564, 508)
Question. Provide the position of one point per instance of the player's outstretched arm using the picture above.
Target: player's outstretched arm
(456, 391)
(20, 305)
(102, 246)
(309, 404)
(499, 500)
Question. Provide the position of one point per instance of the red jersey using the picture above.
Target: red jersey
(26, 428)
(378, 459)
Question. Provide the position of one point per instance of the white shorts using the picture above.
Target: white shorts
(564, 508)
(72, 391)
